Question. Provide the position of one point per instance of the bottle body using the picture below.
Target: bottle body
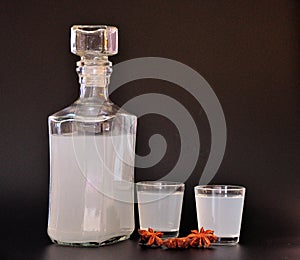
(92, 146)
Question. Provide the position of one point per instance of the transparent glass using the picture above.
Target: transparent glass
(159, 204)
(220, 208)
(92, 149)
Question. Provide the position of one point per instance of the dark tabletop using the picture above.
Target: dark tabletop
(33, 246)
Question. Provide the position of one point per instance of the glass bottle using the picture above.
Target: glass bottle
(92, 148)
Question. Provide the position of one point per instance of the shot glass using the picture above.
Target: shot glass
(220, 208)
(159, 204)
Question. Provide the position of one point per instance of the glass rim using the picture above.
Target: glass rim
(218, 187)
(160, 183)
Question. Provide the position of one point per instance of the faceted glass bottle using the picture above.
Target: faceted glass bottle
(92, 148)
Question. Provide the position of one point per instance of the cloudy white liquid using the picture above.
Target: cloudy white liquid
(160, 211)
(221, 214)
(91, 188)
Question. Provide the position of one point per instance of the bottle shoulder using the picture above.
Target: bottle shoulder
(90, 110)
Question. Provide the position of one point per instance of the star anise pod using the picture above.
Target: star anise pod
(150, 238)
(180, 242)
(202, 238)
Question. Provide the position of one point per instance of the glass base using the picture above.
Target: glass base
(170, 234)
(226, 241)
(92, 243)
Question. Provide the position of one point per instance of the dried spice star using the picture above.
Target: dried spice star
(180, 242)
(203, 238)
(150, 237)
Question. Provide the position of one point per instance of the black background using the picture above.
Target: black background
(248, 51)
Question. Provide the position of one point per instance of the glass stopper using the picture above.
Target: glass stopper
(94, 40)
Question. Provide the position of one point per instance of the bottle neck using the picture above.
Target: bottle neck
(93, 92)
(94, 76)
